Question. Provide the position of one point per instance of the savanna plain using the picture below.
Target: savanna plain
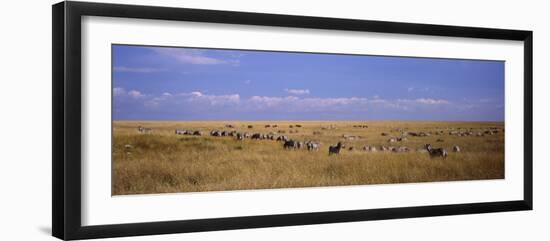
(157, 159)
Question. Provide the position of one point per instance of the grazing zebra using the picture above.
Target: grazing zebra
(436, 152)
(312, 146)
(197, 133)
(282, 138)
(240, 136)
(401, 149)
(290, 144)
(456, 148)
(144, 130)
(335, 149)
(181, 132)
(256, 136)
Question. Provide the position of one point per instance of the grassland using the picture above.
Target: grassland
(163, 162)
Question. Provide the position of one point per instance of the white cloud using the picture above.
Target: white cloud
(193, 56)
(121, 93)
(117, 91)
(233, 102)
(135, 94)
(297, 91)
(429, 101)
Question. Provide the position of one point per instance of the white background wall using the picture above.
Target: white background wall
(25, 105)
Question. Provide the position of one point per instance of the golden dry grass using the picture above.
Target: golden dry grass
(162, 162)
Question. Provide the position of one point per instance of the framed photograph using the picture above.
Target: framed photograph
(172, 120)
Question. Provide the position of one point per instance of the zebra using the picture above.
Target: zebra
(180, 132)
(369, 148)
(312, 146)
(144, 130)
(290, 144)
(456, 148)
(436, 152)
(282, 138)
(401, 149)
(335, 149)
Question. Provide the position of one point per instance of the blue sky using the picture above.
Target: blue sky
(160, 83)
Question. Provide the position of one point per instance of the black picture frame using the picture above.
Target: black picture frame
(66, 75)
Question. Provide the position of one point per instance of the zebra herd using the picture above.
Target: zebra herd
(289, 144)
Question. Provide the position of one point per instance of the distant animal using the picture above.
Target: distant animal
(267, 126)
(439, 140)
(317, 133)
(144, 130)
(300, 145)
(216, 133)
(350, 148)
(256, 136)
(392, 140)
(290, 126)
(229, 126)
(240, 136)
(298, 125)
(181, 132)
(436, 152)
(335, 149)
(282, 138)
(197, 133)
(250, 126)
(401, 149)
(290, 144)
(384, 134)
(312, 146)
(456, 148)
(274, 126)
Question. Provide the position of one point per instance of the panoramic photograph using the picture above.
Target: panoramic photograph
(190, 119)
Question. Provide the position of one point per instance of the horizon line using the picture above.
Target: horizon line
(387, 120)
